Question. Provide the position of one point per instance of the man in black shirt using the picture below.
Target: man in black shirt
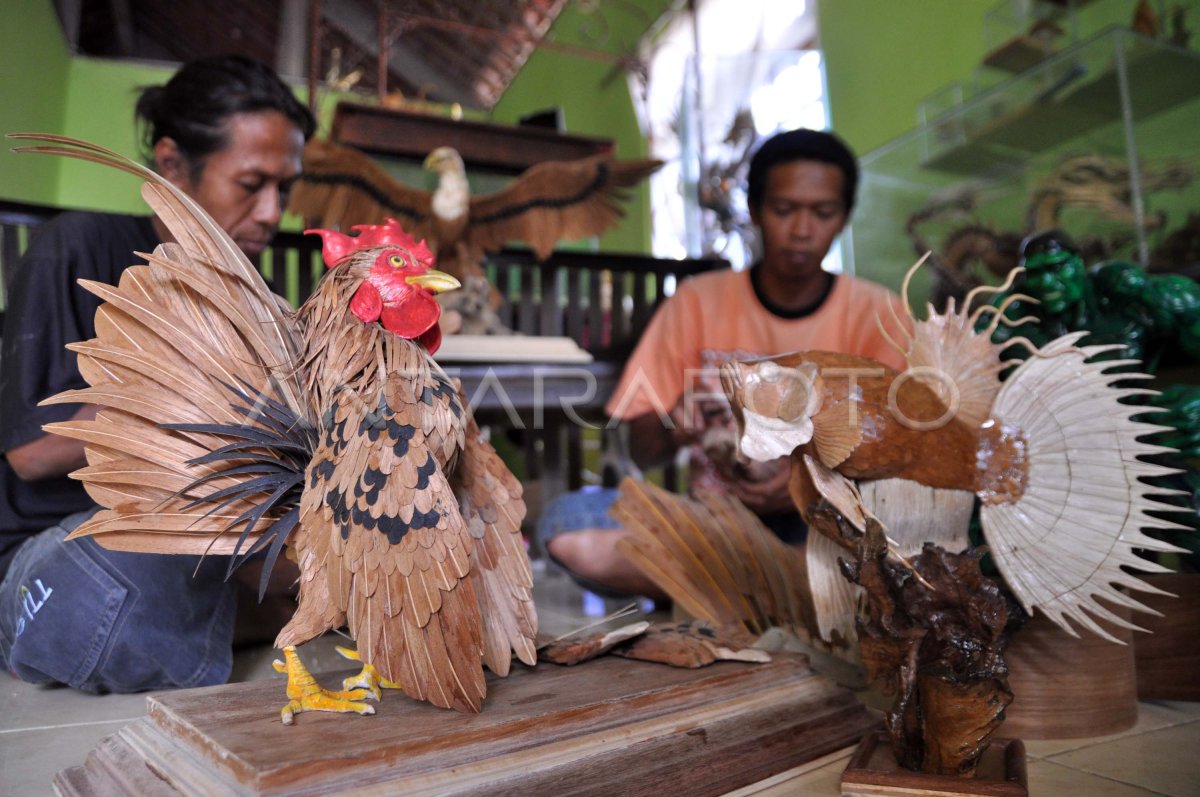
(230, 134)
(48, 310)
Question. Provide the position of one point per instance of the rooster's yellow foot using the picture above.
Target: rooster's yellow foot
(307, 695)
(368, 679)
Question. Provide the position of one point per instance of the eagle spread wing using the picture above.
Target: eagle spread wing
(548, 203)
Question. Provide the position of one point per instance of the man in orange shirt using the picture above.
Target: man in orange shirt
(801, 189)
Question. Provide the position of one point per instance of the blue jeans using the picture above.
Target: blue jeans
(575, 511)
(589, 509)
(111, 621)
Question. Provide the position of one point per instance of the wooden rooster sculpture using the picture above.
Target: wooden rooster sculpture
(231, 425)
(550, 202)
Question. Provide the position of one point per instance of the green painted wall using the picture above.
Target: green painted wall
(593, 94)
(33, 85)
(882, 58)
(100, 98)
(93, 99)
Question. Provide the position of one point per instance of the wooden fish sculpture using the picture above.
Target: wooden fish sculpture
(1052, 454)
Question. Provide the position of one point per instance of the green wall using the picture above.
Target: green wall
(883, 57)
(100, 98)
(33, 88)
(93, 99)
(593, 94)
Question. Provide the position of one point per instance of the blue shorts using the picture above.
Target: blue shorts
(589, 509)
(111, 621)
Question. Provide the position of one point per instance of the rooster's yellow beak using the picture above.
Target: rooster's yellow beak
(434, 281)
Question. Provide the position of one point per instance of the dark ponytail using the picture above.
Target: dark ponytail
(194, 106)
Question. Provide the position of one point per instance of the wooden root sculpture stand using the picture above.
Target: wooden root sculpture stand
(931, 634)
(606, 727)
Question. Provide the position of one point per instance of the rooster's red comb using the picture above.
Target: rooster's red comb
(336, 245)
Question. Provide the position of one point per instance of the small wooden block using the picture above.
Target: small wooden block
(606, 727)
(873, 772)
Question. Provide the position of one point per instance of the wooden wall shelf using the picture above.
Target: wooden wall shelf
(483, 145)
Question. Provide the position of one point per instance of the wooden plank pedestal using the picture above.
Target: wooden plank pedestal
(609, 726)
(873, 772)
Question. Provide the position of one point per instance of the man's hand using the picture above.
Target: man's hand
(51, 455)
(767, 495)
(652, 441)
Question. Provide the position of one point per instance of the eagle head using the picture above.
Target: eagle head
(445, 159)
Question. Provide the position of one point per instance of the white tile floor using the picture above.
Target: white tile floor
(44, 730)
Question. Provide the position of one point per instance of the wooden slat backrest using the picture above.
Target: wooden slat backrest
(602, 301)
(18, 220)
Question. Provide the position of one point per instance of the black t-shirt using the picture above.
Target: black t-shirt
(47, 310)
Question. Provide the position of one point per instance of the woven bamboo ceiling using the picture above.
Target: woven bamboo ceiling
(464, 51)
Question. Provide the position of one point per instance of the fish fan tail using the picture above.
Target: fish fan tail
(1084, 506)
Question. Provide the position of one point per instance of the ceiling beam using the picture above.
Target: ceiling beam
(359, 23)
(291, 50)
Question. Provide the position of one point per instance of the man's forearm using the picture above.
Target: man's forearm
(651, 443)
(50, 455)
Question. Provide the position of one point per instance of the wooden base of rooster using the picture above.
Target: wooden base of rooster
(887, 467)
(608, 727)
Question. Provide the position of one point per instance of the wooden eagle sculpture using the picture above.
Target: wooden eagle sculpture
(550, 202)
(231, 424)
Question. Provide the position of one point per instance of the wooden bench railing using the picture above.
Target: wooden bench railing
(602, 301)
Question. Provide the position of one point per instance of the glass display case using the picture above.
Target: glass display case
(1099, 139)
(1020, 34)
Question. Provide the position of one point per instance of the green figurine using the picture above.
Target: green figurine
(1155, 316)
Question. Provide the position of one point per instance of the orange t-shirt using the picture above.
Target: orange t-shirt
(717, 316)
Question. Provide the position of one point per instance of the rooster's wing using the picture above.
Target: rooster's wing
(193, 355)
(489, 497)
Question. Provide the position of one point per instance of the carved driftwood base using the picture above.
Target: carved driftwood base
(606, 727)
(932, 632)
(873, 772)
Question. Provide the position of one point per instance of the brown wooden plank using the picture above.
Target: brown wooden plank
(527, 316)
(484, 145)
(621, 340)
(596, 338)
(873, 772)
(574, 310)
(610, 726)
(643, 303)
